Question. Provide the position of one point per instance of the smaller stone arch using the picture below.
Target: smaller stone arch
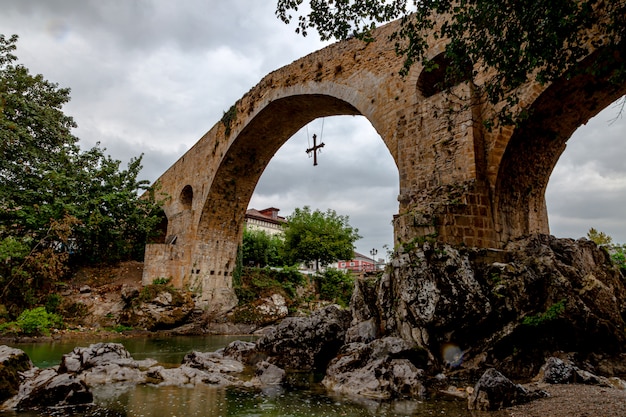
(537, 143)
(186, 197)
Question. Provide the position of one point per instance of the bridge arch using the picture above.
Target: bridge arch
(535, 147)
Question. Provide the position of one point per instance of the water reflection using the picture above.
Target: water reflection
(147, 401)
(168, 350)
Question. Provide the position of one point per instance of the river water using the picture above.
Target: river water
(149, 401)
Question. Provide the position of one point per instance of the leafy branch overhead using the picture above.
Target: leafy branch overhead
(514, 40)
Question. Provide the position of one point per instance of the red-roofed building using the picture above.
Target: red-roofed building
(266, 220)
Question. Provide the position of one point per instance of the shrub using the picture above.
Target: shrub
(259, 282)
(336, 286)
(552, 313)
(34, 322)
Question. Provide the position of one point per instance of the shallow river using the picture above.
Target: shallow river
(148, 401)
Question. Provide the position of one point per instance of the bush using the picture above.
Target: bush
(34, 322)
(336, 286)
(260, 282)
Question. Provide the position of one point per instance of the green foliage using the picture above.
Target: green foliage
(56, 200)
(513, 40)
(53, 303)
(618, 256)
(315, 236)
(34, 322)
(600, 238)
(336, 286)
(161, 281)
(150, 292)
(259, 282)
(120, 328)
(261, 249)
(552, 313)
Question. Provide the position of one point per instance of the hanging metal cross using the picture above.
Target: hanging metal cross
(314, 149)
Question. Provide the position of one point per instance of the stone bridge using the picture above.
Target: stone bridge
(459, 183)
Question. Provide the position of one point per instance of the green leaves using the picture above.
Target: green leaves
(321, 237)
(56, 200)
(515, 41)
(262, 249)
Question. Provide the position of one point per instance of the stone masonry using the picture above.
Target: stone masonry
(459, 183)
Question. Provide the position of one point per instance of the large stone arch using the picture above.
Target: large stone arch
(534, 148)
(458, 182)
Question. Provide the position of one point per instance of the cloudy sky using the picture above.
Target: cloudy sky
(151, 77)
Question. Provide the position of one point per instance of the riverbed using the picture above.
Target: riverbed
(309, 399)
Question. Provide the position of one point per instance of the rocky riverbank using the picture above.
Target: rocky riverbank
(440, 319)
(383, 370)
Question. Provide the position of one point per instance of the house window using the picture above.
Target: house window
(343, 264)
(351, 263)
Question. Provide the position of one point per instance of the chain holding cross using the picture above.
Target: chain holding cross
(314, 149)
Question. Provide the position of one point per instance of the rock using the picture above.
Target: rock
(85, 289)
(58, 391)
(129, 293)
(494, 391)
(556, 371)
(244, 352)
(269, 374)
(383, 369)
(186, 376)
(261, 312)
(306, 343)
(212, 362)
(100, 354)
(12, 362)
(274, 305)
(166, 310)
(508, 308)
(364, 331)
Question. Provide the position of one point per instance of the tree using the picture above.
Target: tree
(262, 249)
(600, 238)
(54, 198)
(319, 237)
(515, 40)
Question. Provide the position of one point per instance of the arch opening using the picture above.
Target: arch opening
(536, 146)
(356, 176)
(588, 185)
(186, 197)
(247, 157)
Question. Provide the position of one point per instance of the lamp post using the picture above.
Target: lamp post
(373, 252)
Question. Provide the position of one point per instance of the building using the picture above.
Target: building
(266, 220)
(360, 263)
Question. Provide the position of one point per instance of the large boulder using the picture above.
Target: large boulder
(306, 343)
(158, 308)
(509, 308)
(494, 391)
(50, 389)
(383, 369)
(12, 363)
